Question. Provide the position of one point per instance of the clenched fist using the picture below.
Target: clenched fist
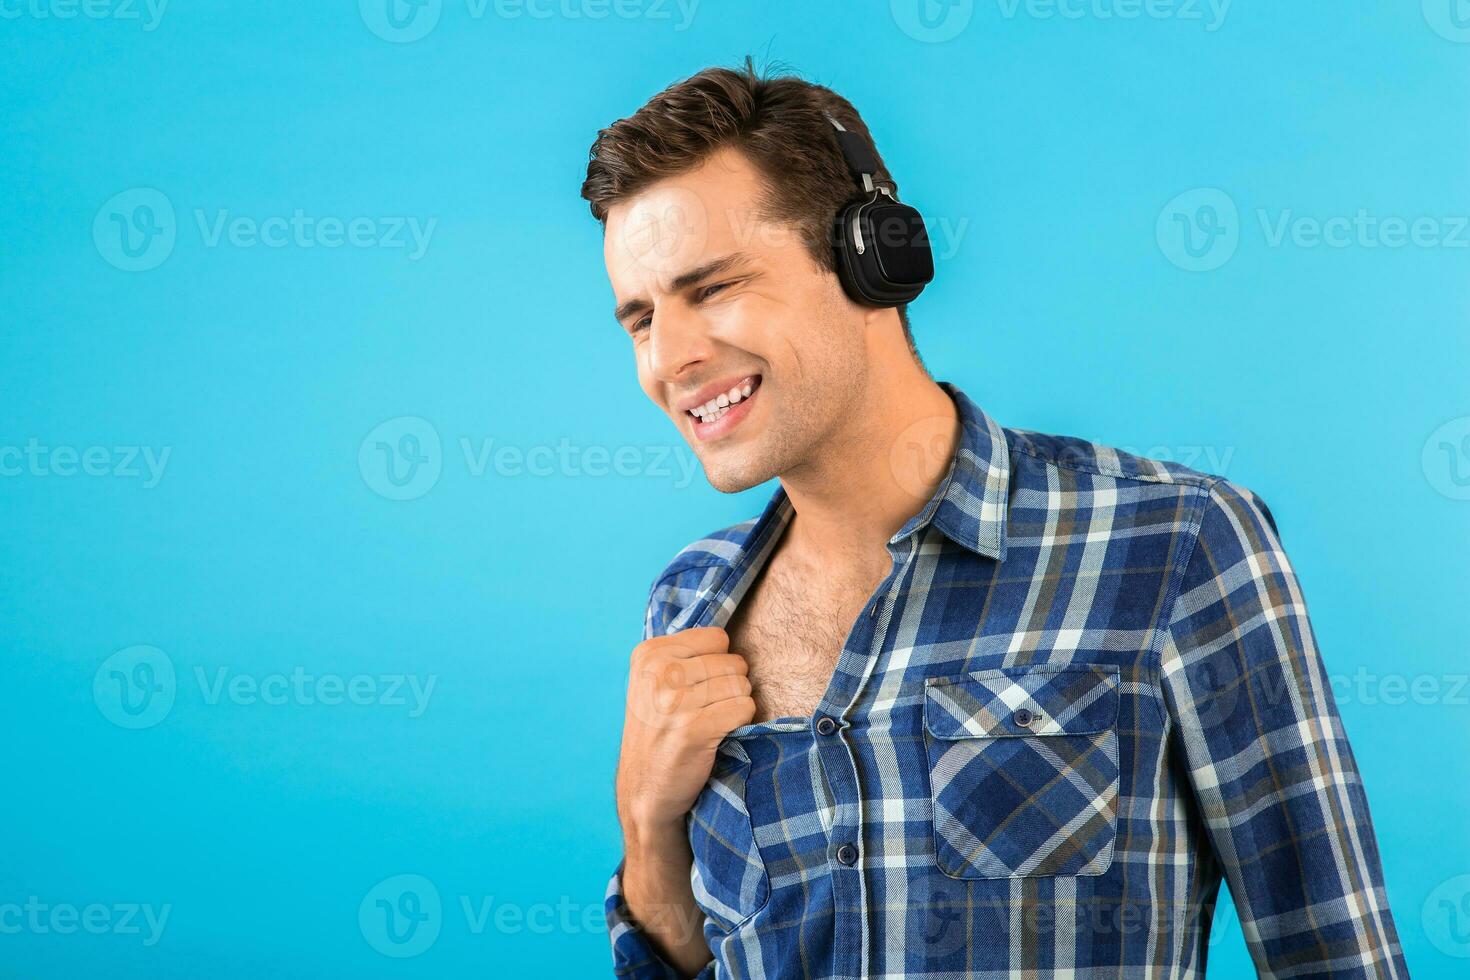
(685, 693)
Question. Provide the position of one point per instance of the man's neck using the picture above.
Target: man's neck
(882, 470)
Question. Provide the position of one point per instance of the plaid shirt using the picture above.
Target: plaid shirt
(1086, 691)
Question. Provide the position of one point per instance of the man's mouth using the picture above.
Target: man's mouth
(718, 406)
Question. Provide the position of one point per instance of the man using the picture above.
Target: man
(964, 700)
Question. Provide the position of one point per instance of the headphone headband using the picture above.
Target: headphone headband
(882, 246)
(861, 162)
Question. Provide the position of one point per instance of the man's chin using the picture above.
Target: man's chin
(732, 476)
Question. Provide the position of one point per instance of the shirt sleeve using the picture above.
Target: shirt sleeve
(633, 955)
(1275, 779)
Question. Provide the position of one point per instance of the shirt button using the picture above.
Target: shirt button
(826, 726)
(1023, 717)
(847, 854)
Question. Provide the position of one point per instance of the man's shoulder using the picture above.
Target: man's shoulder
(691, 571)
(1046, 462)
(720, 547)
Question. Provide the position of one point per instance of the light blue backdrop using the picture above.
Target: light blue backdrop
(248, 251)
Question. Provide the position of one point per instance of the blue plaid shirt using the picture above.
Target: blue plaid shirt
(1085, 693)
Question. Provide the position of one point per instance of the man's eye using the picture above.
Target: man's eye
(642, 324)
(710, 290)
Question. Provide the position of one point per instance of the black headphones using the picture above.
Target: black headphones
(883, 253)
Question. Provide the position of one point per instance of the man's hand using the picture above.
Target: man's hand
(686, 692)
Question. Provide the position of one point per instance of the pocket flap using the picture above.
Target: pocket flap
(1062, 700)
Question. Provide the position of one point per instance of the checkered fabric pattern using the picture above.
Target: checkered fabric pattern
(1086, 694)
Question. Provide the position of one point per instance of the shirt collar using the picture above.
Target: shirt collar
(969, 505)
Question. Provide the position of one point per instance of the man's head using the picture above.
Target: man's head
(718, 199)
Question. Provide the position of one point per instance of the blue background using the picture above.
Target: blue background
(1319, 376)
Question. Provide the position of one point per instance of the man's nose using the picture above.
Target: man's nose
(677, 342)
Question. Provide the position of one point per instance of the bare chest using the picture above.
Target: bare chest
(790, 627)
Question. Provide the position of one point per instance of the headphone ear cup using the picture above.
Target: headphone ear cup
(848, 272)
(894, 262)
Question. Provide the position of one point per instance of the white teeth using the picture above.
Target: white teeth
(715, 409)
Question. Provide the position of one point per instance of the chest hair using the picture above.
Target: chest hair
(790, 627)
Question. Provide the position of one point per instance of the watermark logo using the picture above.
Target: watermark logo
(302, 230)
(943, 918)
(662, 227)
(1446, 917)
(135, 230)
(138, 687)
(1450, 19)
(400, 21)
(39, 460)
(90, 9)
(1105, 10)
(932, 21)
(1363, 230)
(401, 916)
(135, 687)
(404, 21)
(402, 458)
(39, 918)
(922, 454)
(1199, 230)
(1446, 458)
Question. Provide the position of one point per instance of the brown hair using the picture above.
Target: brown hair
(777, 121)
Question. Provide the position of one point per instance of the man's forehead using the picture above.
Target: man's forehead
(675, 223)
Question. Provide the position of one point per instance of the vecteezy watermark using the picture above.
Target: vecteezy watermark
(1363, 230)
(302, 230)
(147, 12)
(1222, 697)
(1368, 688)
(1446, 917)
(123, 462)
(568, 459)
(405, 21)
(1450, 19)
(1209, 13)
(1201, 229)
(933, 21)
(137, 230)
(37, 918)
(1446, 458)
(137, 687)
(402, 916)
(1214, 460)
(402, 459)
(300, 688)
(944, 233)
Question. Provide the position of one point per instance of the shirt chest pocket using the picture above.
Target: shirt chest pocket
(1023, 770)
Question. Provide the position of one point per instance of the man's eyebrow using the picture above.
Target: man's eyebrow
(684, 280)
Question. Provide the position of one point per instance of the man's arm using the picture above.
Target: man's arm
(686, 691)
(658, 926)
(1271, 767)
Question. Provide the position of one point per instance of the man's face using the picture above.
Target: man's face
(719, 302)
